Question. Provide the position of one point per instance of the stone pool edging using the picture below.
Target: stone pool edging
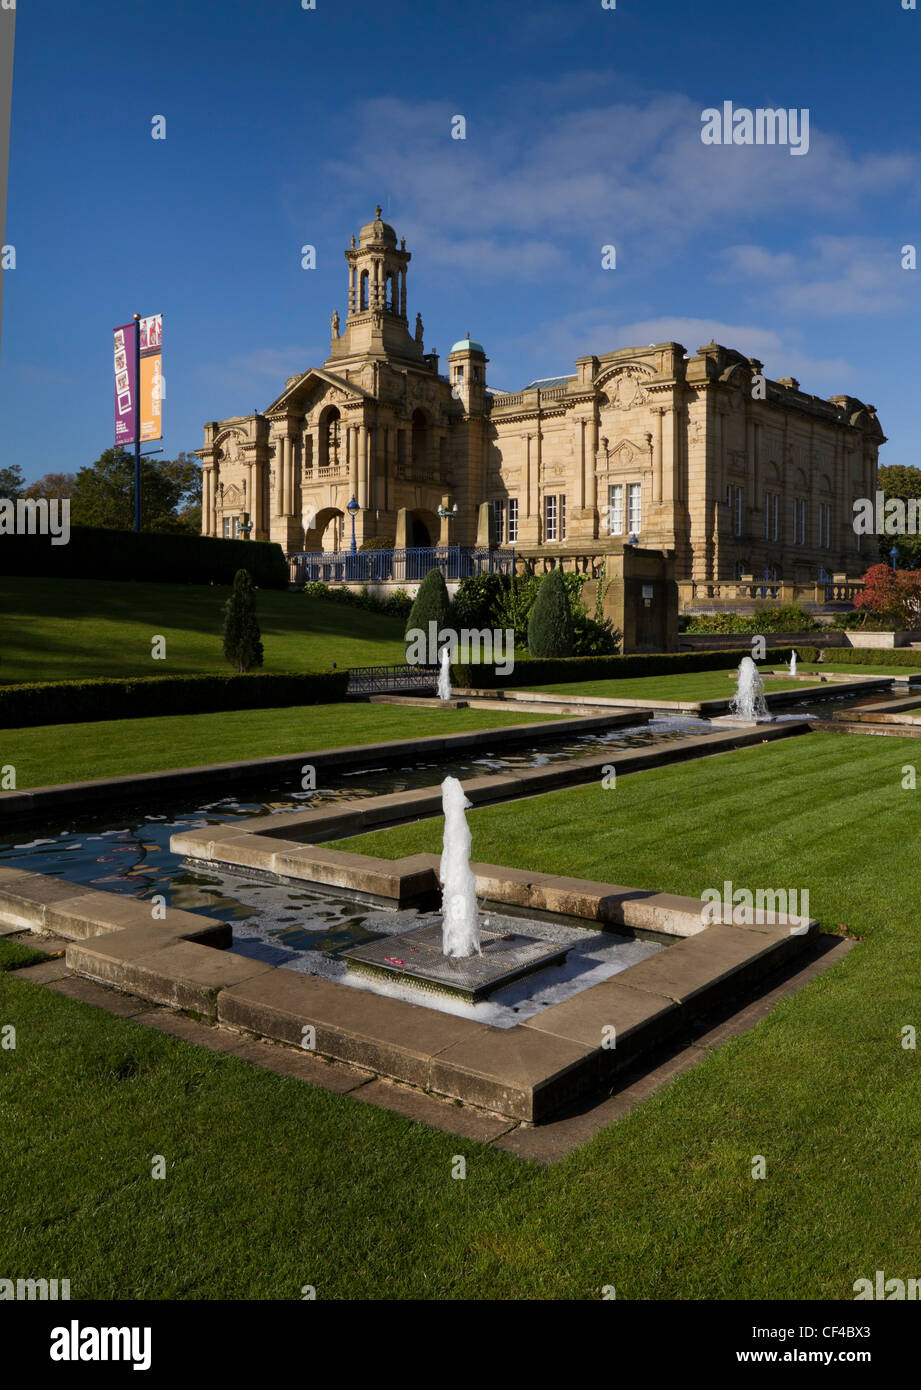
(525, 1072)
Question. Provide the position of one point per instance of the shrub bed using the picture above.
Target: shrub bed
(395, 605)
(93, 552)
(76, 702)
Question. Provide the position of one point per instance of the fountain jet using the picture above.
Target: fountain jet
(748, 703)
(444, 676)
(460, 926)
(793, 663)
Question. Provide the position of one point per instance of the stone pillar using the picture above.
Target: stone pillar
(279, 475)
(352, 285)
(352, 452)
(205, 501)
(403, 292)
(581, 465)
(657, 469)
(401, 540)
(253, 494)
(593, 472)
(362, 466)
(527, 477)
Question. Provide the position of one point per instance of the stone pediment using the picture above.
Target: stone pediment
(625, 386)
(232, 497)
(302, 392)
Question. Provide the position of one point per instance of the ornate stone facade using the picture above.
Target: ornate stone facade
(698, 455)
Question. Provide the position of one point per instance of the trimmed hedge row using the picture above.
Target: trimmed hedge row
(76, 702)
(872, 656)
(559, 671)
(93, 552)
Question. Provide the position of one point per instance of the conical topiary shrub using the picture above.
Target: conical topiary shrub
(550, 624)
(242, 644)
(431, 604)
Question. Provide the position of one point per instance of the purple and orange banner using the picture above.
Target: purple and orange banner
(125, 386)
(151, 378)
(144, 399)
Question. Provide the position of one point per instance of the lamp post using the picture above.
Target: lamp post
(353, 509)
(895, 555)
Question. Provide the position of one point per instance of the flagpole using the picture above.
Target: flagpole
(137, 422)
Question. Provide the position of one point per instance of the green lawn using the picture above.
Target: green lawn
(796, 813)
(63, 630)
(687, 685)
(83, 752)
(362, 1204)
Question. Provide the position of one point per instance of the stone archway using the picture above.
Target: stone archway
(328, 532)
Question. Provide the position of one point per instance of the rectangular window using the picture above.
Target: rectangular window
(615, 509)
(498, 513)
(550, 533)
(634, 508)
(562, 509)
(738, 512)
(512, 520)
(771, 516)
(226, 528)
(824, 529)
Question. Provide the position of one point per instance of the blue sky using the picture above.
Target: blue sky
(285, 126)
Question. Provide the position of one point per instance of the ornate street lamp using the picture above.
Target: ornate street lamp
(895, 555)
(353, 509)
(447, 513)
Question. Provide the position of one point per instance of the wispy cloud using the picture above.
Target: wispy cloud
(558, 342)
(831, 276)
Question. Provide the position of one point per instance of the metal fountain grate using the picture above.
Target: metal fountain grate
(415, 958)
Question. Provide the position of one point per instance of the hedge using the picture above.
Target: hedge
(548, 671)
(872, 656)
(93, 552)
(75, 702)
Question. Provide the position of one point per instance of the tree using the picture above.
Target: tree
(894, 596)
(550, 624)
(51, 485)
(431, 604)
(11, 483)
(242, 644)
(904, 483)
(103, 492)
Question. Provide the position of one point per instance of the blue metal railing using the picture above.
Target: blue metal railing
(398, 566)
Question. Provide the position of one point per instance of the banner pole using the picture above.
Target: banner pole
(137, 424)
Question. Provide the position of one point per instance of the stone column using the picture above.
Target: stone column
(657, 469)
(279, 500)
(251, 499)
(527, 477)
(352, 451)
(593, 471)
(362, 466)
(581, 465)
(352, 288)
(205, 501)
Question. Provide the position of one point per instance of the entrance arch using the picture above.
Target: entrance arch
(328, 531)
(420, 537)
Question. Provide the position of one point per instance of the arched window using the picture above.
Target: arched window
(363, 290)
(330, 428)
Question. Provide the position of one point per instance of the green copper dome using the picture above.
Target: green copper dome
(468, 345)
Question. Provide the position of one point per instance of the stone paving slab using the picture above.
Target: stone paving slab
(515, 1071)
(182, 973)
(43, 971)
(89, 992)
(352, 1025)
(446, 1115)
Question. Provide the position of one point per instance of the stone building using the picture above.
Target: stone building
(697, 455)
